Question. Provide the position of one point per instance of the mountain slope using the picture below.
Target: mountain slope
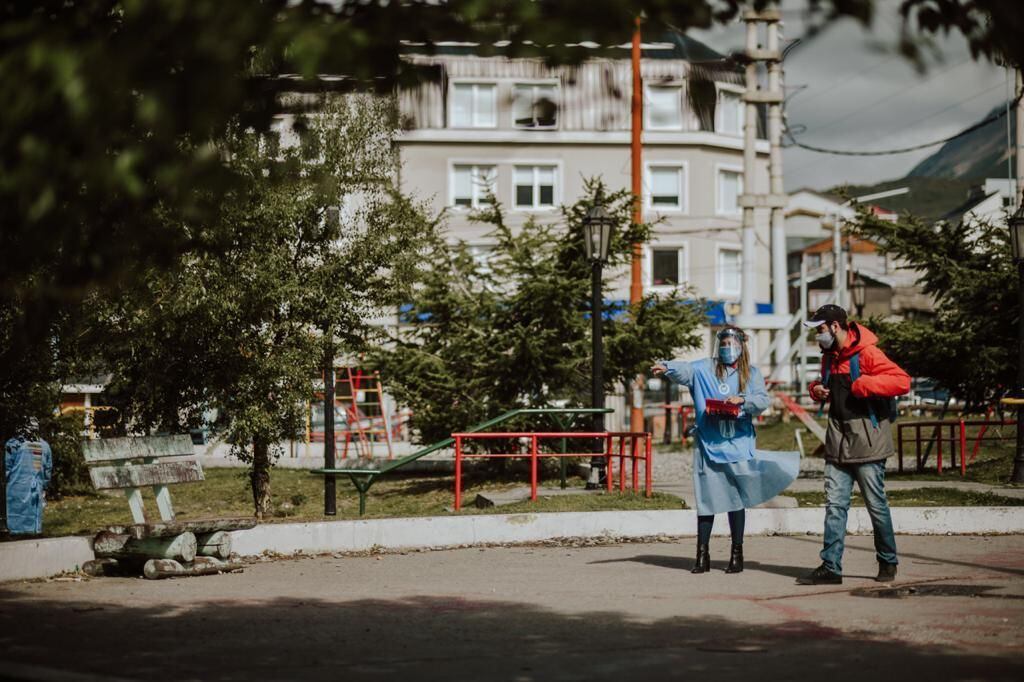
(977, 155)
(928, 197)
(943, 181)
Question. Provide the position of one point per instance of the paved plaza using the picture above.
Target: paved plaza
(558, 612)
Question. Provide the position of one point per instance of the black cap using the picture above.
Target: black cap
(826, 314)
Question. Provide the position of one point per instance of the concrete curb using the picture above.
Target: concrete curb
(450, 531)
(41, 558)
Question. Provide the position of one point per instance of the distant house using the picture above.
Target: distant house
(810, 216)
(985, 203)
(84, 395)
(890, 287)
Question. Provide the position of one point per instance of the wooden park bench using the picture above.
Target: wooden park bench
(163, 548)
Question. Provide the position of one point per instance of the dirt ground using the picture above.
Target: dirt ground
(569, 612)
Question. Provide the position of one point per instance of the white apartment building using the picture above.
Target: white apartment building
(533, 133)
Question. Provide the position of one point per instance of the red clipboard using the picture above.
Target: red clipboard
(721, 408)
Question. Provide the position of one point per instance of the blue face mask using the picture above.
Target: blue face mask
(728, 354)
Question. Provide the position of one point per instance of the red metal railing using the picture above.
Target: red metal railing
(639, 449)
(957, 439)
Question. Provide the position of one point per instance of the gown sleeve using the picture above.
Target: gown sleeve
(755, 398)
(679, 371)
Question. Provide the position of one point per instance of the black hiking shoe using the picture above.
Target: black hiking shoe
(820, 576)
(886, 572)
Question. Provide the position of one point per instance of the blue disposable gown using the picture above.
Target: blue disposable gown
(729, 472)
(28, 465)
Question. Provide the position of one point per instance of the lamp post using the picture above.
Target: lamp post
(859, 290)
(597, 233)
(1017, 396)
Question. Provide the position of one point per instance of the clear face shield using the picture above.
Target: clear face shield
(728, 346)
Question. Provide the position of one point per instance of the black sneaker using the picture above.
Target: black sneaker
(886, 572)
(820, 576)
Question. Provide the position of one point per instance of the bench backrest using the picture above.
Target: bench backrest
(131, 463)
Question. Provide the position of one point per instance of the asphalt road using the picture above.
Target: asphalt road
(622, 612)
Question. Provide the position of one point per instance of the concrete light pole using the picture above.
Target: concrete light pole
(748, 305)
(777, 201)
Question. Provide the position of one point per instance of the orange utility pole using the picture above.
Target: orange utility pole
(636, 286)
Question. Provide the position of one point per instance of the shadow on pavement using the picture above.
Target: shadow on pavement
(683, 564)
(997, 568)
(449, 638)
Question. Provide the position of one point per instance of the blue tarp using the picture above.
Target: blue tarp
(718, 317)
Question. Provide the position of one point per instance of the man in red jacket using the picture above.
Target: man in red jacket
(860, 381)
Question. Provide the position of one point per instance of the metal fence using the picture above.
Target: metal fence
(948, 438)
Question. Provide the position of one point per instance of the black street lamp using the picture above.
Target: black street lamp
(1017, 396)
(597, 234)
(859, 290)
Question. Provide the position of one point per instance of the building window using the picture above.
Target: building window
(730, 187)
(472, 185)
(729, 272)
(664, 108)
(534, 187)
(813, 261)
(730, 113)
(473, 105)
(666, 187)
(535, 106)
(667, 266)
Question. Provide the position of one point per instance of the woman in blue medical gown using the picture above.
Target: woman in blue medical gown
(729, 473)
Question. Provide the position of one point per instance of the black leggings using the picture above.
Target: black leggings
(737, 519)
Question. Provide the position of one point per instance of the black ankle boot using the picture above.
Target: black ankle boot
(703, 563)
(735, 560)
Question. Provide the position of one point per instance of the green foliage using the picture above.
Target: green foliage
(111, 110)
(244, 327)
(226, 493)
(513, 332)
(969, 346)
(70, 474)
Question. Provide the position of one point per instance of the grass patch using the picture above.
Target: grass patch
(298, 496)
(780, 435)
(993, 464)
(920, 497)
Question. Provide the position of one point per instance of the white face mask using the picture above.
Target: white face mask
(826, 340)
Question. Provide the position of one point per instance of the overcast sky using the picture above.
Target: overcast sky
(851, 91)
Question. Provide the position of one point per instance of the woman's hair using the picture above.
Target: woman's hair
(743, 365)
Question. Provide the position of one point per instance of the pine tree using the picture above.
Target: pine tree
(486, 336)
(969, 345)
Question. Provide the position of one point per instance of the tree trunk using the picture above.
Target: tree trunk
(260, 477)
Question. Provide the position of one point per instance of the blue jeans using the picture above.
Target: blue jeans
(838, 488)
